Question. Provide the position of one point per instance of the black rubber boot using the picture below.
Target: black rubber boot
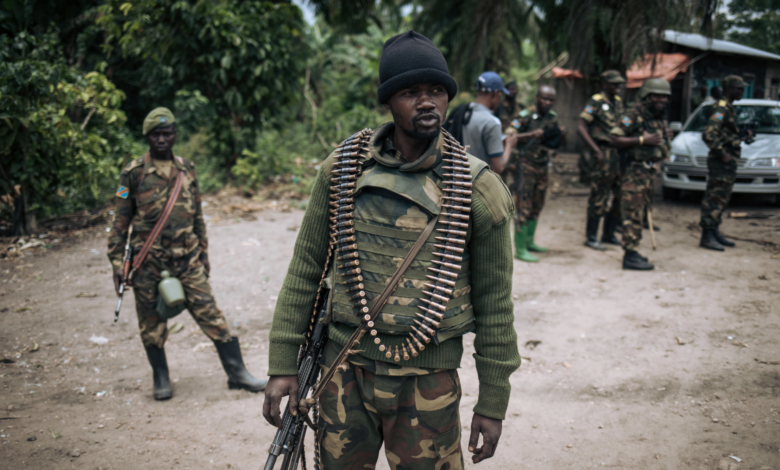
(723, 240)
(635, 261)
(238, 377)
(162, 384)
(610, 225)
(709, 241)
(591, 234)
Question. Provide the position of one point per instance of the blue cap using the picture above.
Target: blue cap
(489, 82)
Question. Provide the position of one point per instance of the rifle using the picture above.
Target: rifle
(126, 272)
(289, 439)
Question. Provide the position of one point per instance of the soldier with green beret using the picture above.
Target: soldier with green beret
(643, 132)
(722, 136)
(596, 121)
(181, 248)
(372, 200)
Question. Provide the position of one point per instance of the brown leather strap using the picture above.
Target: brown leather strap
(158, 227)
(374, 312)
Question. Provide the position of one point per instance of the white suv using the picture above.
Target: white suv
(758, 169)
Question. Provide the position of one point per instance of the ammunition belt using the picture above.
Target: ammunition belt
(453, 225)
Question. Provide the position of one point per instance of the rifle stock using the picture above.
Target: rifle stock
(289, 439)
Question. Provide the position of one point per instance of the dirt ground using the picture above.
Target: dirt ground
(671, 369)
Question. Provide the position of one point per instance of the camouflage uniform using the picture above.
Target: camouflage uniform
(640, 172)
(721, 135)
(533, 158)
(601, 116)
(142, 195)
(412, 410)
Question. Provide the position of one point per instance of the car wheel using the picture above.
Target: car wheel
(671, 194)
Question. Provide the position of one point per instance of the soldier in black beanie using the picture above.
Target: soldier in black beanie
(375, 195)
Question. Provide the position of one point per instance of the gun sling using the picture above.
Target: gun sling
(158, 227)
(361, 330)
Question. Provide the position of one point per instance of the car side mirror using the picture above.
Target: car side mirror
(675, 126)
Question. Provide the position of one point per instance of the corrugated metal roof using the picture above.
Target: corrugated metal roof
(697, 41)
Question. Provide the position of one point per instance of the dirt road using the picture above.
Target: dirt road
(671, 369)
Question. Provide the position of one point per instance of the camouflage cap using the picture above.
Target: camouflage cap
(612, 76)
(733, 81)
(159, 117)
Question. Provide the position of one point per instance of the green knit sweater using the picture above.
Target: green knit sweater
(489, 242)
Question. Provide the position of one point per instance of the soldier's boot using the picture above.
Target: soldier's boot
(591, 234)
(610, 225)
(723, 240)
(635, 261)
(531, 233)
(238, 377)
(162, 384)
(709, 241)
(521, 246)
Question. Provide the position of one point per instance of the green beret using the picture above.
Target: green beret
(733, 81)
(159, 117)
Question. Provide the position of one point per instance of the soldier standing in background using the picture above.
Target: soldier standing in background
(527, 172)
(596, 121)
(395, 181)
(181, 249)
(642, 130)
(510, 108)
(723, 138)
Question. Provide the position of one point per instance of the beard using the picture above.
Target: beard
(413, 130)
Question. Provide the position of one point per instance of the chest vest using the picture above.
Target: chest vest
(650, 153)
(387, 211)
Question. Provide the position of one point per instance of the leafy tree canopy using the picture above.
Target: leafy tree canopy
(242, 61)
(754, 23)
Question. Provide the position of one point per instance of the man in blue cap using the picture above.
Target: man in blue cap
(482, 134)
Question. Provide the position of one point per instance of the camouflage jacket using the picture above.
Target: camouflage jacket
(530, 120)
(721, 133)
(636, 120)
(507, 113)
(140, 200)
(601, 116)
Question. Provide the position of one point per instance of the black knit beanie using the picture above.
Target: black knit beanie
(409, 59)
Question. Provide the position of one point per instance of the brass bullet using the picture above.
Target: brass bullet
(373, 332)
(354, 254)
(456, 241)
(462, 200)
(351, 272)
(440, 289)
(443, 281)
(449, 248)
(353, 280)
(428, 320)
(425, 327)
(438, 297)
(377, 341)
(435, 305)
(456, 216)
(457, 208)
(442, 272)
(355, 287)
(458, 176)
(350, 264)
(348, 231)
(456, 267)
(396, 358)
(454, 224)
(411, 347)
(341, 241)
(417, 342)
(357, 296)
(452, 257)
(404, 352)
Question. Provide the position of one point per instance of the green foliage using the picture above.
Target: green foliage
(243, 61)
(754, 23)
(62, 131)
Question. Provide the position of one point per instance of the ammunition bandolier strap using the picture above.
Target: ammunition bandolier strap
(440, 290)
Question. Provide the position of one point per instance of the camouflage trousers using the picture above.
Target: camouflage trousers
(634, 191)
(415, 416)
(605, 179)
(720, 182)
(530, 200)
(200, 301)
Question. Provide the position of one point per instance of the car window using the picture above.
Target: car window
(759, 119)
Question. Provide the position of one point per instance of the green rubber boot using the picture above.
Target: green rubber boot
(531, 232)
(521, 250)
